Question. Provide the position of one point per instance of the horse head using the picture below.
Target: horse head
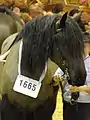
(55, 37)
(68, 49)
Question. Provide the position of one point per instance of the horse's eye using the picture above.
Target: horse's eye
(57, 49)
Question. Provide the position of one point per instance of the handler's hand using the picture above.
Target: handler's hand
(74, 89)
(83, 88)
(57, 79)
(2, 57)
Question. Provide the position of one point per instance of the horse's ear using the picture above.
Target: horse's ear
(63, 20)
(77, 16)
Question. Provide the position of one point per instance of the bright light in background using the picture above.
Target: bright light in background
(83, 1)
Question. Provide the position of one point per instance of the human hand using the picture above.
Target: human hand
(83, 88)
(57, 79)
(2, 57)
(74, 88)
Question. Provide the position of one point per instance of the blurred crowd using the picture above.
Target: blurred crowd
(28, 9)
(83, 19)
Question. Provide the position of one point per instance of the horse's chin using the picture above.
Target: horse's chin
(79, 82)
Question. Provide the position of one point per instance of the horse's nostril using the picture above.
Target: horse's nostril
(75, 95)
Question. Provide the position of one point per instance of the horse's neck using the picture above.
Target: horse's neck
(49, 72)
(46, 73)
(51, 69)
(36, 74)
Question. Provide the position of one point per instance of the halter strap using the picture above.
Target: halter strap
(20, 56)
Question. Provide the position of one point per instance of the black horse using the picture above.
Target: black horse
(55, 37)
(9, 23)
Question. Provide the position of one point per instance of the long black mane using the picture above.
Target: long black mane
(40, 34)
(37, 42)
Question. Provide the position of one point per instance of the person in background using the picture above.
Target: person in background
(36, 10)
(16, 10)
(48, 13)
(80, 108)
(75, 12)
(85, 17)
(77, 109)
(25, 17)
(57, 8)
